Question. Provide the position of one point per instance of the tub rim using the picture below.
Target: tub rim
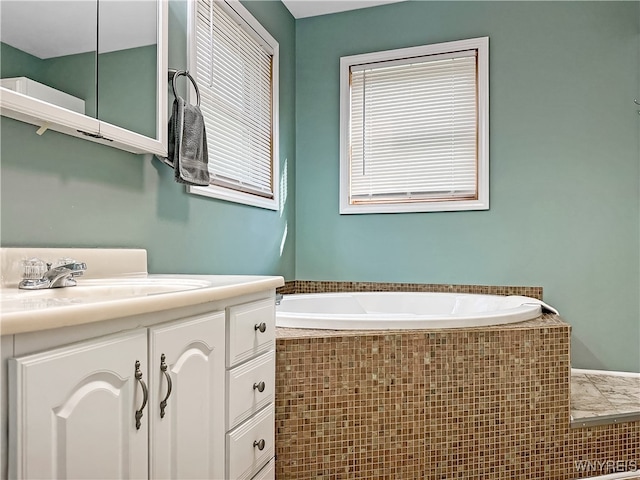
(530, 308)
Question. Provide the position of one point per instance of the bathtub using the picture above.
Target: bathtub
(403, 310)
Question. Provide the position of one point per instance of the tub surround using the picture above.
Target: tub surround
(487, 402)
(484, 402)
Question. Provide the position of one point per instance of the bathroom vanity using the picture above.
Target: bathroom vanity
(129, 375)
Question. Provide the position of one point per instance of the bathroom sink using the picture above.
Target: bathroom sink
(114, 285)
(109, 288)
(95, 290)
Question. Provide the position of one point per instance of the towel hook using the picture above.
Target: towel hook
(186, 74)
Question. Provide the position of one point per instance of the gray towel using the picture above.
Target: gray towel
(187, 144)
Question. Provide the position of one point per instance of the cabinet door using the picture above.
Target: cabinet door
(73, 409)
(187, 439)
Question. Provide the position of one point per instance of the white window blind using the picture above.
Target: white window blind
(234, 72)
(413, 129)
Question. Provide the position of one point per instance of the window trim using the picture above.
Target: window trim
(480, 44)
(253, 27)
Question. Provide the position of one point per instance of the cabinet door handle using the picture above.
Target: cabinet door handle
(259, 386)
(145, 395)
(260, 326)
(163, 369)
(259, 443)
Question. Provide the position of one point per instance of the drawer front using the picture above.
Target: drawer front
(244, 456)
(268, 472)
(251, 330)
(250, 387)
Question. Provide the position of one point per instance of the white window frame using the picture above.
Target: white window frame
(481, 45)
(252, 27)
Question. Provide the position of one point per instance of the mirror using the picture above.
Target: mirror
(100, 59)
(127, 64)
(49, 50)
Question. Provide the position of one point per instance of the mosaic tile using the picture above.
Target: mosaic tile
(481, 403)
(314, 286)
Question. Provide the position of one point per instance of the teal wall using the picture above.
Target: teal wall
(58, 190)
(126, 92)
(72, 74)
(16, 63)
(75, 75)
(564, 163)
(565, 173)
(129, 99)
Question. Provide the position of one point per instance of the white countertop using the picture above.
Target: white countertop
(120, 294)
(25, 311)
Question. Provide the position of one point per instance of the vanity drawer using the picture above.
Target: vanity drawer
(244, 456)
(250, 387)
(268, 472)
(251, 330)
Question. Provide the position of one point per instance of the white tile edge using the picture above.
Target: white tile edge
(609, 373)
(617, 476)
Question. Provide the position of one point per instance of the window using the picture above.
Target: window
(414, 129)
(234, 61)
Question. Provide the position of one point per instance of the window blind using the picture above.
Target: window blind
(234, 75)
(413, 129)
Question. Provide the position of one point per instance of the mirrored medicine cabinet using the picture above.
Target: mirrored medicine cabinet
(94, 69)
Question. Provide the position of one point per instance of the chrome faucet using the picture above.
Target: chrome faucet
(38, 274)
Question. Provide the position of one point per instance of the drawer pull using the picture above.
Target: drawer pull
(259, 443)
(145, 395)
(260, 387)
(163, 369)
(260, 326)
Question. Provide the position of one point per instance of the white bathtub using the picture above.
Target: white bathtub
(403, 310)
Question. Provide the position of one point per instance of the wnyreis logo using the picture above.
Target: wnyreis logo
(607, 466)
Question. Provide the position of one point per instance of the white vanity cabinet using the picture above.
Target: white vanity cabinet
(131, 375)
(102, 408)
(203, 381)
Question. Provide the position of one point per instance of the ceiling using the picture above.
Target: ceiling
(47, 28)
(311, 8)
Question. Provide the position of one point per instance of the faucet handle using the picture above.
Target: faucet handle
(34, 268)
(71, 264)
(64, 262)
